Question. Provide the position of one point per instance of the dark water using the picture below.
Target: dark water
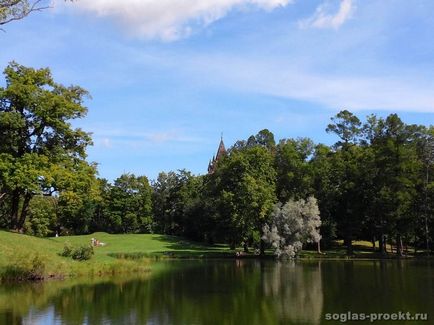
(228, 292)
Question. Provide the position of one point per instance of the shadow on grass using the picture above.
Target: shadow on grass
(180, 244)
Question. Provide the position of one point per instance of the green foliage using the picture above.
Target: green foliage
(41, 153)
(244, 189)
(42, 218)
(82, 253)
(176, 200)
(294, 173)
(25, 268)
(127, 205)
(67, 250)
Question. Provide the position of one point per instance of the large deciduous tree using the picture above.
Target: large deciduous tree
(40, 151)
(244, 188)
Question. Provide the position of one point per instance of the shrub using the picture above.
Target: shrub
(82, 253)
(67, 250)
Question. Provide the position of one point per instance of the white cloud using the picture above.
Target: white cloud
(323, 19)
(169, 19)
(399, 92)
(110, 136)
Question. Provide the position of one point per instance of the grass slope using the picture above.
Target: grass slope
(18, 252)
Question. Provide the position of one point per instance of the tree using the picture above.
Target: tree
(397, 163)
(294, 174)
(347, 127)
(244, 189)
(38, 145)
(293, 224)
(129, 206)
(11, 10)
(325, 190)
(42, 219)
(170, 196)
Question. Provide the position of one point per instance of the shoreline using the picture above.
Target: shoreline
(143, 265)
(26, 258)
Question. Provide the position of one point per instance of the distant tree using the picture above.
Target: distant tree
(171, 196)
(265, 138)
(293, 224)
(294, 173)
(39, 149)
(325, 190)
(346, 126)
(244, 190)
(129, 206)
(42, 220)
(398, 165)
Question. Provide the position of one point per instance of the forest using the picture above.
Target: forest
(375, 183)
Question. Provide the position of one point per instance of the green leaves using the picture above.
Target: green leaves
(41, 153)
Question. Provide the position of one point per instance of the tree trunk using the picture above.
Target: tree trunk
(382, 244)
(2, 197)
(15, 205)
(399, 245)
(24, 211)
(262, 247)
(318, 247)
(427, 235)
(246, 247)
(232, 245)
(349, 244)
(373, 243)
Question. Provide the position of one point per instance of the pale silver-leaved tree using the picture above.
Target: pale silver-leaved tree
(292, 225)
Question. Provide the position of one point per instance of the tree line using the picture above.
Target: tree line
(375, 183)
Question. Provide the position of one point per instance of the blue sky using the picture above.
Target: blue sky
(168, 76)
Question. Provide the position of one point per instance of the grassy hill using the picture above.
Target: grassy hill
(121, 253)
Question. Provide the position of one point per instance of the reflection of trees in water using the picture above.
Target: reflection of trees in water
(210, 292)
(226, 292)
(296, 291)
(379, 286)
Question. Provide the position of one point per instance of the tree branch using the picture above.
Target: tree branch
(20, 14)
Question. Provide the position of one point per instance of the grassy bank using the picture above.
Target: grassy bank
(26, 257)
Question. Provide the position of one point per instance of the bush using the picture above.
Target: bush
(82, 253)
(67, 250)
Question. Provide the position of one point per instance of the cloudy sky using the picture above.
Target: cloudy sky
(167, 77)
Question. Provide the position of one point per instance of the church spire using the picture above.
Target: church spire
(221, 151)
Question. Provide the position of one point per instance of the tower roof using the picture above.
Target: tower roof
(221, 150)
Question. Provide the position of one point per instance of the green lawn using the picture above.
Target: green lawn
(116, 255)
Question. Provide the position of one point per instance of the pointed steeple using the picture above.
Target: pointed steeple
(221, 151)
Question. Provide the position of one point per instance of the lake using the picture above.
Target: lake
(227, 292)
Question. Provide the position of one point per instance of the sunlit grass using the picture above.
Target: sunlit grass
(17, 252)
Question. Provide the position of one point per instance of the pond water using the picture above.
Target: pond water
(227, 292)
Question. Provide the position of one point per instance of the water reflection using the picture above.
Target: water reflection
(225, 292)
(296, 289)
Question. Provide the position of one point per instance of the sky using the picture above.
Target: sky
(168, 77)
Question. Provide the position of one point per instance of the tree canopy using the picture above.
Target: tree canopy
(41, 153)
